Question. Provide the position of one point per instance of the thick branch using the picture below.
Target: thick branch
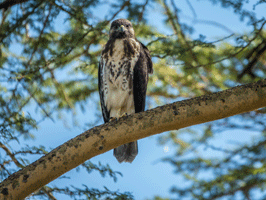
(18, 164)
(129, 128)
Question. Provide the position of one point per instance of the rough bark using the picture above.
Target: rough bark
(130, 128)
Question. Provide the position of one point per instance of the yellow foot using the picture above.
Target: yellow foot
(113, 119)
(124, 115)
(116, 118)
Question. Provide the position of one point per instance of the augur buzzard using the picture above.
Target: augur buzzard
(123, 77)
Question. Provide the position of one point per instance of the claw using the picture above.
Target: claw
(124, 115)
(116, 118)
(113, 119)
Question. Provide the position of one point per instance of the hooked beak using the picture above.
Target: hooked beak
(122, 28)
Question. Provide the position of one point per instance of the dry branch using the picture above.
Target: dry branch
(129, 128)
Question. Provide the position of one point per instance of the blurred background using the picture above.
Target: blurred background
(49, 52)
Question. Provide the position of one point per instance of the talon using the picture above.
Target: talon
(124, 114)
(113, 119)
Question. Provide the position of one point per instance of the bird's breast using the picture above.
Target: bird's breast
(118, 75)
(120, 63)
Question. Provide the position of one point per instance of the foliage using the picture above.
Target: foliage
(35, 52)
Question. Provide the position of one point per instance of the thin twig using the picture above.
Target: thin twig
(234, 54)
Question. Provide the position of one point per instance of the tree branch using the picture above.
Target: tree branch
(9, 3)
(256, 53)
(103, 138)
(18, 164)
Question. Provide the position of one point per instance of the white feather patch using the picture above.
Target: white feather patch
(118, 79)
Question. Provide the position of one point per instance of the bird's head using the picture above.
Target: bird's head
(121, 28)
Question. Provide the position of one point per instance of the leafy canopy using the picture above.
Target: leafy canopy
(54, 69)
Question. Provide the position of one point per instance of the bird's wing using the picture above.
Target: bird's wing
(140, 78)
(148, 57)
(105, 112)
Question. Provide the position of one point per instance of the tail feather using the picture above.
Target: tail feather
(126, 152)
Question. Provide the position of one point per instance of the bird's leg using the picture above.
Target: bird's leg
(112, 119)
(116, 118)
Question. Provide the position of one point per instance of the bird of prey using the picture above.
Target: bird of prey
(123, 77)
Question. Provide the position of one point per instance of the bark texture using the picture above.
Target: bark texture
(130, 128)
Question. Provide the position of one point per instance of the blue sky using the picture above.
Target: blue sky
(146, 176)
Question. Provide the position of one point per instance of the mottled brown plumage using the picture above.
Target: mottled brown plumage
(123, 77)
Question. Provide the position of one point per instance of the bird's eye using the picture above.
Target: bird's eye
(127, 25)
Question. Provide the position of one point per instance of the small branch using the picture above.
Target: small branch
(36, 100)
(11, 155)
(142, 11)
(213, 23)
(127, 3)
(174, 21)
(255, 54)
(71, 14)
(19, 21)
(60, 89)
(41, 33)
(9, 3)
(2, 167)
(234, 54)
(192, 9)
